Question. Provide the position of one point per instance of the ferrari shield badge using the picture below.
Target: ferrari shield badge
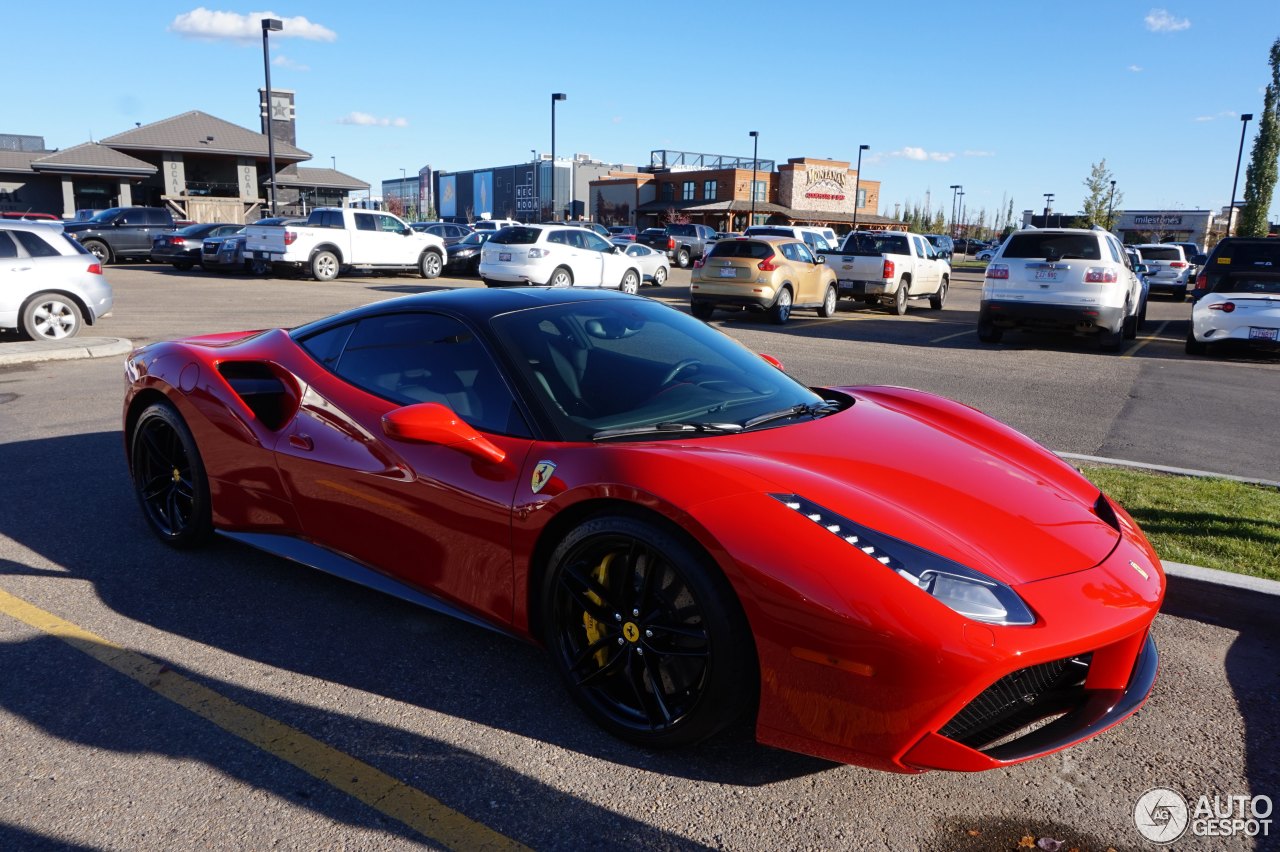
(542, 475)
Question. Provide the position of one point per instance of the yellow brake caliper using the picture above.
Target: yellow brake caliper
(595, 630)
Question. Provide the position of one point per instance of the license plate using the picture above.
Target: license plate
(1046, 275)
(1263, 333)
(504, 256)
(728, 272)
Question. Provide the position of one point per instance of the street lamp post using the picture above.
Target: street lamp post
(1111, 200)
(270, 25)
(960, 219)
(404, 205)
(534, 171)
(1244, 122)
(954, 188)
(1048, 202)
(335, 161)
(857, 181)
(555, 96)
(755, 164)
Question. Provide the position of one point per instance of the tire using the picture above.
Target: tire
(989, 332)
(647, 635)
(259, 267)
(702, 310)
(1195, 347)
(1111, 340)
(561, 277)
(780, 312)
(169, 478)
(183, 265)
(51, 316)
(938, 299)
(1129, 326)
(630, 282)
(324, 266)
(1180, 295)
(900, 295)
(682, 258)
(660, 276)
(100, 250)
(828, 307)
(430, 265)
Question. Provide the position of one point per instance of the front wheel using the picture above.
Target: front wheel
(682, 258)
(938, 299)
(51, 316)
(324, 266)
(781, 310)
(98, 249)
(646, 633)
(169, 478)
(630, 282)
(828, 308)
(430, 265)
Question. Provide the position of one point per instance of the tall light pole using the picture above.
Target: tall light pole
(1048, 202)
(1244, 122)
(555, 96)
(270, 25)
(1111, 200)
(954, 187)
(534, 170)
(960, 219)
(857, 181)
(404, 205)
(755, 164)
(334, 158)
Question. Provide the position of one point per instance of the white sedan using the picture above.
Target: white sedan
(653, 264)
(985, 254)
(1242, 306)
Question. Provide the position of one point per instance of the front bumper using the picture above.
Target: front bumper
(1010, 314)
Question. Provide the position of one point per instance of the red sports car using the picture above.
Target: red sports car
(876, 575)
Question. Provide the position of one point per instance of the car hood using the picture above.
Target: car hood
(936, 474)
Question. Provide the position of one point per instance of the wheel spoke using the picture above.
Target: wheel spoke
(154, 487)
(655, 682)
(153, 447)
(610, 665)
(580, 589)
(634, 677)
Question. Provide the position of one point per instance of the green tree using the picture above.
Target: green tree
(1100, 199)
(1260, 179)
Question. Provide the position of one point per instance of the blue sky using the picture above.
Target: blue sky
(1011, 100)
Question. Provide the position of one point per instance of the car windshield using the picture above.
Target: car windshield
(1047, 245)
(1162, 252)
(105, 215)
(605, 369)
(194, 230)
(516, 236)
(475, 238)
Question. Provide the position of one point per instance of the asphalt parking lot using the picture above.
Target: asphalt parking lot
(226, 699)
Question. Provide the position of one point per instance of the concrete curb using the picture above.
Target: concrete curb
(34, 351)
(1181, 471)
(1236, 601)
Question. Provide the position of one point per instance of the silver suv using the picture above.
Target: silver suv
(1170, 268)
(1064, 278)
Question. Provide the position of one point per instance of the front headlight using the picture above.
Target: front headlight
(966, 591)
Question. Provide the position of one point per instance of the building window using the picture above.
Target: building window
(668, 192)
(862, 199)
(709, 190)
(687, 190)
(760, 190)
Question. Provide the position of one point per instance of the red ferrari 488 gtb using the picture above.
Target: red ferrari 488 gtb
(875, 575)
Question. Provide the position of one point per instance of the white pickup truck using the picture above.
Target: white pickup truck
(890, 267)
(335, 238)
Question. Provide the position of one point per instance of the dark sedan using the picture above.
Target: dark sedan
(464, 256)
(448, 231)
(183, 248)
(225, 253)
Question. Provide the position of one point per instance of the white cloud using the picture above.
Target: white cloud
(1135, 68)
(919, 154)
(1226, 113)
(286, 62)
(208, 24)
(979, 153)
(363, 119)
(1163, 21)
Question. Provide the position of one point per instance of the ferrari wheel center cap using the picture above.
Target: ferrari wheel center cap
(631, 631)
(177, 475)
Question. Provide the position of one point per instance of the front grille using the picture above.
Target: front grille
(1020, 699)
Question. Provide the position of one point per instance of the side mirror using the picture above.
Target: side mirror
(821, 258)
(433, 423)
(771, 361)
(407, 231)
(616, 250)
(1142, 269)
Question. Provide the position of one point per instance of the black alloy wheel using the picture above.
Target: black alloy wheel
(648, 636)
(169, 478)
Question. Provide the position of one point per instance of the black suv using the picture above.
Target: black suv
(1235, 255)
(122, 232)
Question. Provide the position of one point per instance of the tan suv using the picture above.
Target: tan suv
(773, 274)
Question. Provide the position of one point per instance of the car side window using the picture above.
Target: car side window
(636, 251)
(8, 248)
(560, 237)
(788, 251)
(919, 246)
(389, 225)
(803, 253)
(1114, 249)
(412, 358)
(366, 222)
(592, 240)
(158, 217)
(34, 246)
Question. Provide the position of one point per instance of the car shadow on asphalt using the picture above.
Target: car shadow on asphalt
(258, 607)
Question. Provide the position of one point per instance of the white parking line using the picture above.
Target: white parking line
(952, 336)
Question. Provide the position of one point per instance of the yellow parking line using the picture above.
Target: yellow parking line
(375, 788)
(1145, 340)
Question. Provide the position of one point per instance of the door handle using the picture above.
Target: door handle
(302, 442)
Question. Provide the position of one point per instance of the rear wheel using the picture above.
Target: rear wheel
(169, 478)
(561, 278)
(702, 310)
(1130, 326)
(646, 633)
(1195, 347)
(900, 295)
(781, 310)
(660, 276)
(682, 258)
(1180, 295)
(430, 265)
(989, 332)
(51, 316)
(324, 266)
(1111, 340)
(938, 299)
(828, 308)
(182, 265)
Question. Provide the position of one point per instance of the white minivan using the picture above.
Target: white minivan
(559, 256)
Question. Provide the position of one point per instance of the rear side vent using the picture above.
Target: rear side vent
(270, 399)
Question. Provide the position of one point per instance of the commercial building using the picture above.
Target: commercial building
(1202, 227)
(201, 167)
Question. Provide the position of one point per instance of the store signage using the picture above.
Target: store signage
(827, 184)
(1157, 220)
